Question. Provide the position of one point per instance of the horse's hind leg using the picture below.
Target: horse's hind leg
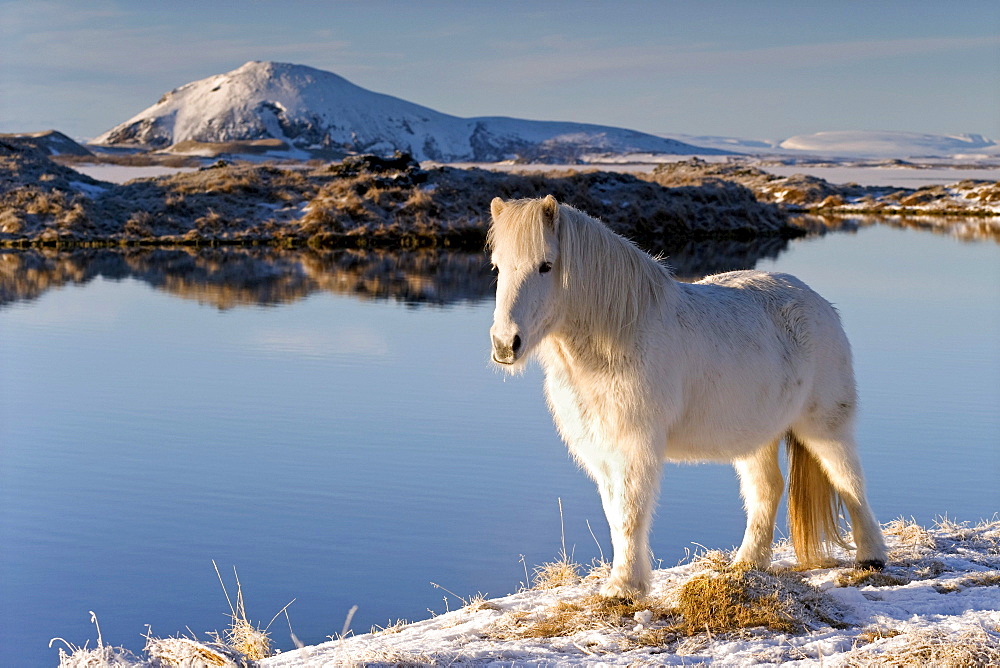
(761, 485)
(831, 442)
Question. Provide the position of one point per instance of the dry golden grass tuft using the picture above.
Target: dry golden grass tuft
(876, 632)
(559, 573)
(738, 597)
(562, 619)
(390, 627)
(914, 540)
(971, 646)
(594, 612)
(102, 656)
(713, 560)
(249, 640)
(188, 652)
(860, 577)
(987, 579)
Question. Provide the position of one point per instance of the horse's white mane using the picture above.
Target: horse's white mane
(608, 281)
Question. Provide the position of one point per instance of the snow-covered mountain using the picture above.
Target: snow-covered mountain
(312, 109)
(893, 145)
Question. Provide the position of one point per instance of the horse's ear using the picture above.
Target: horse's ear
(496, 206)
(550, 208)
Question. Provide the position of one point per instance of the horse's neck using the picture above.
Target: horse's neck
(618, 292)
(576, 343)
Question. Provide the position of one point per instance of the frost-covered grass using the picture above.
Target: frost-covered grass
(242, 644)
(936, 604)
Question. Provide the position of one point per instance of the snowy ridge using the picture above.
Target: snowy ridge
(312, 109)
(858, 144)
(893, 145)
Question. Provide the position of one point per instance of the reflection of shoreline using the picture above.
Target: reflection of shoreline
(966, 228)
(231, 277)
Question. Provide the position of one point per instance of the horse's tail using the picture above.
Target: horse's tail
(814, 507)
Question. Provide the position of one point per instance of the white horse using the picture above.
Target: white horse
(640, 369)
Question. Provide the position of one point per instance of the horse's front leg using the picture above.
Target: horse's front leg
(628, 486)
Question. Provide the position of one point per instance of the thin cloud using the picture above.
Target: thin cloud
(559, 60)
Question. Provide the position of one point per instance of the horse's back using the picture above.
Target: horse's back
(760, 347)
(784, 297)
(765, 282)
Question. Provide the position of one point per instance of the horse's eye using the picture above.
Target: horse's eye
(545, 268)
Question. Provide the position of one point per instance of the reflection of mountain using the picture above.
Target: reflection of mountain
(226, 278)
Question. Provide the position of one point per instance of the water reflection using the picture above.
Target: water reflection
(964, 228)
(226, 278)
(231, 277)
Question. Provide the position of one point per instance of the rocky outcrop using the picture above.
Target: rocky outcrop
(805, 193)
(363, 200)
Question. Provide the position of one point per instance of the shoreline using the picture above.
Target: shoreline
(371, 202)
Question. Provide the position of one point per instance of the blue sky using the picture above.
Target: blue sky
(761, 70)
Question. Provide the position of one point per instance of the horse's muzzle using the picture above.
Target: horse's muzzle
(506, 353)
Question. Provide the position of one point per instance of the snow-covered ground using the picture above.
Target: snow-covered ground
(124, 173)
(936, 604)
(940, 592)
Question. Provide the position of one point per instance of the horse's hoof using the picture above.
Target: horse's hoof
(621, 592)
(870, 565)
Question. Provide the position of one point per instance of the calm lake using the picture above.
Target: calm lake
(330, 426)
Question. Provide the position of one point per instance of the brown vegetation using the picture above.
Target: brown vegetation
(804, 193)
(362, 200)
(366, 201)
(739, 597)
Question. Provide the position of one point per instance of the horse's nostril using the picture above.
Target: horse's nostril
(517, 344)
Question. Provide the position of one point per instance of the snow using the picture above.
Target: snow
(935, 598)
(891, 144)
(305, 106)
(312, 110)
(858, 144)
(124, 173)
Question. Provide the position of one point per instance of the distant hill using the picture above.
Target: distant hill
(893, 145)
(50, 142)
(857, 144)
(310, 110)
